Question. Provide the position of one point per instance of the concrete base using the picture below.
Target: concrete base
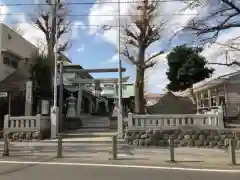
(54, 122)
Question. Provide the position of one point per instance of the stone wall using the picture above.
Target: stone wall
(207, 138)
(26, 136)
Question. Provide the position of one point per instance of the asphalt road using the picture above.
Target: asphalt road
(75, 172)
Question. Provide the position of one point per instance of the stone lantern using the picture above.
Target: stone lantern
(71, 111)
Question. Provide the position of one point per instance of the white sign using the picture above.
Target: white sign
(3, 94)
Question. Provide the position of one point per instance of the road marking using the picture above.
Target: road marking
(122, 166)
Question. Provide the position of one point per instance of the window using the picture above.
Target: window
(26, 60)
(222, 100)
(213, 101)
(205, 103)
(10, 62)
(14, 63)
(6, 61)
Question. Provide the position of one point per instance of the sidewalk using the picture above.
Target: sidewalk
(100, 153)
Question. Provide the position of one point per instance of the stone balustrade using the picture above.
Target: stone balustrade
(141, 122)
(26, 123)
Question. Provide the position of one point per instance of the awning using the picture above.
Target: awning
(13, 54)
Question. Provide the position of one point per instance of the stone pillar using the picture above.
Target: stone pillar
(29, 99)
(116, 89)
(90, 105)
(115, 109)
(71, 112)
(79, 100)
(106, 105)
(97, 105)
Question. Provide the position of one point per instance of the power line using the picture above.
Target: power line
(89, 3)
(123, 15)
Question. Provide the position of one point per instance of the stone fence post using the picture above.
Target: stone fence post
(130, 120)
(6, 120)
(220, 119)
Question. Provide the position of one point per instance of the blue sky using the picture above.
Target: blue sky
(88, 50)
(94, 48)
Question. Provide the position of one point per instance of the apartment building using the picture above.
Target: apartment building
(15, 52)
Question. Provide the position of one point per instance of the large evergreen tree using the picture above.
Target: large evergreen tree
(186, 67)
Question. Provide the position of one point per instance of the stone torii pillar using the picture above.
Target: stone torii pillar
(79, 100)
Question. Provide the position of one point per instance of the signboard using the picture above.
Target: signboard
(3, 94)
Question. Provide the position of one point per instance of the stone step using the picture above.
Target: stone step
(95, 120)
(95, 123)
(96, 126)
(92, 130)
(232, 125)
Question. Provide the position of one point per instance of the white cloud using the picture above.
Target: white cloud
(157, 78)
(157, 75)
(81, 49)
(31, 33)
(76, 27)
(4, 11)
(34, 35)
(114, 59)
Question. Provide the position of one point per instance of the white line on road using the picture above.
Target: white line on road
(122, 166)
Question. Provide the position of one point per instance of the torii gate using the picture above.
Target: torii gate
(80, 85)
(81, 82)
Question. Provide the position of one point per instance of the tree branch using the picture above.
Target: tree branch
(229, 46)
(126, 53)
(237, 63)
(64, 47)
(63, 29)
(153, 56)
(232, 5)
(223, 15)
(130, 33)
(150, 64)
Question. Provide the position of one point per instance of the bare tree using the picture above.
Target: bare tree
(230, 50)
(142, 33)
(222, 15)
(45, 20)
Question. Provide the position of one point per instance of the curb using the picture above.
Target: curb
(69, 141)
(84, 142)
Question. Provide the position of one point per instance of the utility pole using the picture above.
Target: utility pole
(54, 37)
(60, 123)
(120, 109)
(55, 53)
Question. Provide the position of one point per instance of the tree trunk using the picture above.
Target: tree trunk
(139, 91)
(50, 56)
(192, 95)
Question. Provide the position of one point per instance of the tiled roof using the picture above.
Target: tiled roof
(16, 80)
